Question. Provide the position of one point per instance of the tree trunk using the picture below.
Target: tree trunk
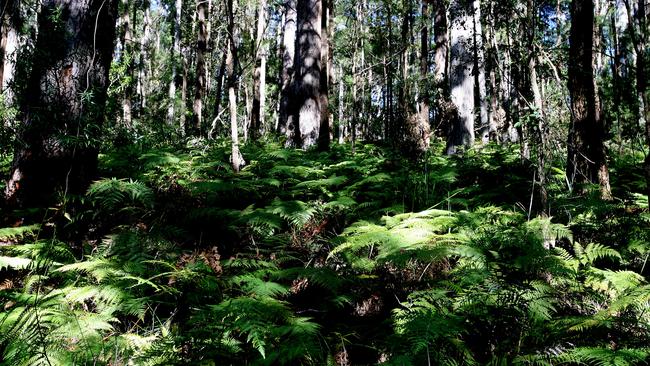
(71, 65)
(324, 128)
(231, 66)
(5, 26)
(341, 112)
(497, 114)
(479, 67)
(176, 54)
(586, 161)
(145, 57)
(307, 73)
(217, 95)
(201, 49)
(445, 111)
(128, 57)
(9, 51)
(442, 43)
(461, 78)
(537, 110)
(183, 117)
(259, 76)
(417, 128)
(286, 124)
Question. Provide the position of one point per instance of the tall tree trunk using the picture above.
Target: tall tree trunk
(405, 87)
(461, 78)
(236, 158)
(259, 76)
(286, 124)
(341, 111)
(201, 49)
(586, 161)
(176, 54)
(497, 114)
(419, 130)
(183, 106)
(324, 128)
(5, 26)
(8, 49)
(640, 31)
(445, 112)
(479, 67)
(442, 43)
(537, 110)
(307, 73)
(145, 57)
(128, 57)
(71, 65)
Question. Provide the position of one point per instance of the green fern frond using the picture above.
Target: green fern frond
(12, 234)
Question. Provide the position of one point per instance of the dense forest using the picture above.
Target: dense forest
(324, 182)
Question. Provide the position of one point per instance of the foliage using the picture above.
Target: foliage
(308, 257)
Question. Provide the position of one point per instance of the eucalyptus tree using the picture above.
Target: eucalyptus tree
(288, 53)
(587, 160)
(200, 85)
(128, 58)
(306, 100)
(8, 44)
(62, 104)
(259, 75)
(460, 75)
(638, 13)
(175, 56)
(236, 157)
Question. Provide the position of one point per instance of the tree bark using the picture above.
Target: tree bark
(324, 128)
(461, 79)
(231, 75)
(259, 75)
(200, 79)
(442, 43)
(74, 65)
(5, 25)
(307, 73)
(145, 57)
(176, 54)
(128, 57)
(9, 50)
(537, 111)
(217, 95)
(289, 29)
(586, 161)
(479, 70)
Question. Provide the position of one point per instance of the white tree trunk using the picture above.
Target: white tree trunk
(176, 54)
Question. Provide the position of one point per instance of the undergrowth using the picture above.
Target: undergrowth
(334, 258)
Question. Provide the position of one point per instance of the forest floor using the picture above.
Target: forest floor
(344, 257)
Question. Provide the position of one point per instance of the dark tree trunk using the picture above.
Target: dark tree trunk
(307, 73)
(57, 141)
(418, 129)
(201, 74)
(259, 76)
(586, 161)
(285, 123)
(324, 131)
